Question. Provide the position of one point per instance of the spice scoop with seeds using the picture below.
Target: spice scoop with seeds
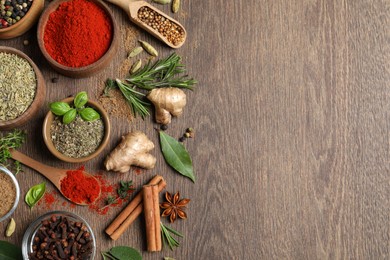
(154, 21)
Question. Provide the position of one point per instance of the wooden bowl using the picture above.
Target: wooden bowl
(49, 143)
(24, 24)
(79, 72)
(39, 94)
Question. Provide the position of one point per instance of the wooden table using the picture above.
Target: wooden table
(292, 132)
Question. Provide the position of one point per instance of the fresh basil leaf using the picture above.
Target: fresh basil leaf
(81, 99)
(176, 155)
(59, 108)
(125, 253)
(34, 194)
(9, 251)
(89, 114)
(69, 116)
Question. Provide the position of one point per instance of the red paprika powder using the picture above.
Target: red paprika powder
(80, 188)
(78, 33)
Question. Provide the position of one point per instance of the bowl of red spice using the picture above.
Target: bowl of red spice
(9, 193)
(59, 235)
(79, 140)
(17, 17)
(78, 37)
(23, 88)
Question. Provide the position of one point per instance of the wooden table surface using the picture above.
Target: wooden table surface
(292, 131)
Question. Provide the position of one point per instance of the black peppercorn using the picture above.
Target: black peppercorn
(164, 127)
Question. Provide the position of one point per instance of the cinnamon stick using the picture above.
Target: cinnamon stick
(131, 212)
(152, 217)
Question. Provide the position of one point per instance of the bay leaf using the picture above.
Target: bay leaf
(125, 253)
(9, 251)
(176, 155)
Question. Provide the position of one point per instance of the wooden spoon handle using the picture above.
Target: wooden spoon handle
(124, 4)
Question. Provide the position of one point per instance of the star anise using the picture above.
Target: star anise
(174, 206)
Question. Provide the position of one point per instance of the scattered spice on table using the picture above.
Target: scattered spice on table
(170, 30)
(62, 238)
(78, 33)
(11, 11)
(77, 139)
(7, 193)
(80, 188)
(18, 86)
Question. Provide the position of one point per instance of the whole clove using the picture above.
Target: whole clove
(61, 238)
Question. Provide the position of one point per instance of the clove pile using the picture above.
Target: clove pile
(61, 238)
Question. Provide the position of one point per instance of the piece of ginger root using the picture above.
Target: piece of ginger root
(168, 102)
(133, 150)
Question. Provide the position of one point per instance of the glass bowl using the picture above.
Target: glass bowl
(31, 232)
(17, 189)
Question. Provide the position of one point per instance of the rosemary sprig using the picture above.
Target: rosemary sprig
(167, 237)
(162, 74)
(12, 140)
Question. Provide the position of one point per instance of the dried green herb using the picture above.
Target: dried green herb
(12, 140)
(176, 155)
(168, 238)
(34, 194)
(122, 253)
(69, 114)
(10, 251)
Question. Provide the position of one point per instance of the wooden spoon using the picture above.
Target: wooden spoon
(55, 175)
(131, 7)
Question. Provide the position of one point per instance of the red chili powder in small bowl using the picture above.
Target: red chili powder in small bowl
(78, 33)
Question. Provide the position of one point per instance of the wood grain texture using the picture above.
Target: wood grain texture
(292, 131)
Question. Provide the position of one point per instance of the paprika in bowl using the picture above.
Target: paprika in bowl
(78, 37)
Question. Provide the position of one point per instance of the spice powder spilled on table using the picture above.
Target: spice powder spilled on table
(18, 86)
(7, 194)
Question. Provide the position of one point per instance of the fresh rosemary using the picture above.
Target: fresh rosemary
(167, 237)
(163, 73)
(12, 140)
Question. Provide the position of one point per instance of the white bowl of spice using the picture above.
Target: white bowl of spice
(22, 87)
(83, 137)
(9, 193)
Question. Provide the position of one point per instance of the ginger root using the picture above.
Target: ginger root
(168, 102)
(133, 150)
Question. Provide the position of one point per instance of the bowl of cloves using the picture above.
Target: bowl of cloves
(61, 235)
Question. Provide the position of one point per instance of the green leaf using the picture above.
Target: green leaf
(176, 155)
(81, 99)
(69, 116)
(35, 193)
(89, 114)
(59, 108)
(9, 251)
(125, 253)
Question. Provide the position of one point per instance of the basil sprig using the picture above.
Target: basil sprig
(10, 251)
(68, 113)
(35, 193)
(176, 155)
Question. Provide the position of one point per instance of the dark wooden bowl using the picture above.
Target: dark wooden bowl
(85, 71)
(49, 143)
(40, 94)
(25, 23)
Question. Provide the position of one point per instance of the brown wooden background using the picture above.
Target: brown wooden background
(292, 131)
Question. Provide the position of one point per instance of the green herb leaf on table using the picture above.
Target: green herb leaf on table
(168, 238)
(81, 99)
(122, 253)
(176, 155)
(12, 140)
(89, 114)
(125, 188)
(35, 193)
(69, 116)
(59, 108)
(10, 251)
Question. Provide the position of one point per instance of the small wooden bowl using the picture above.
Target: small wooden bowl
(80, 72)
(39, 94)
(24, 24)
(49, 143)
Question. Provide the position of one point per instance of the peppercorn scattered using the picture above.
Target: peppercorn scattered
(54, 80)
(164, 127)
(26, 42)
(170, 30)
(11, 11)
(61, 238)
(182, 139)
